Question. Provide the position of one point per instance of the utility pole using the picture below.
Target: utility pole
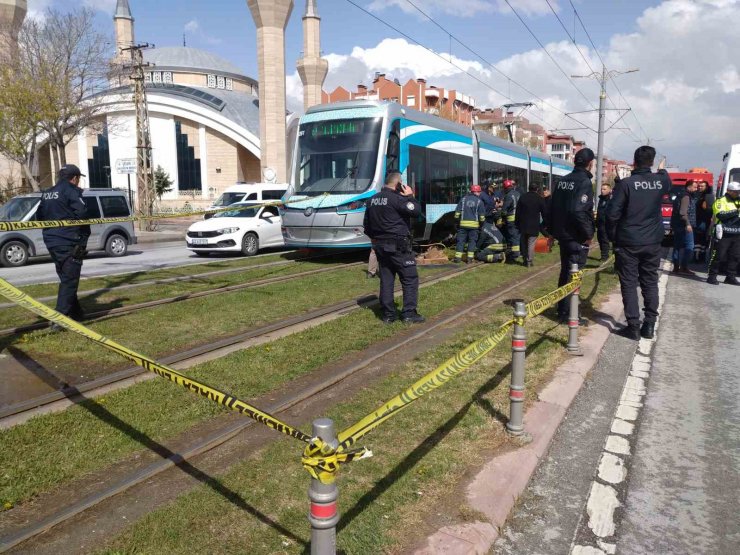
(602, 78)
(144, 185)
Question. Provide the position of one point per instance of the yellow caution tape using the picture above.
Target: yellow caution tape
(22, 299)
(539, 305)
(322, 460)
(48, 224)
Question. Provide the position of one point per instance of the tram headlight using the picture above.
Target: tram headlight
(352, 206)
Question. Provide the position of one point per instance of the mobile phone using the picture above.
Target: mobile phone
(399, 187)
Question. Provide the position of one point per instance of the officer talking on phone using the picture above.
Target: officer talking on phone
(66, 245)
(388, 224)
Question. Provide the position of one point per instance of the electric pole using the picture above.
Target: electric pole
(144, 185)
(602, 78)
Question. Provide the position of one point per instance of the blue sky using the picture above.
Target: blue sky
(688, 86)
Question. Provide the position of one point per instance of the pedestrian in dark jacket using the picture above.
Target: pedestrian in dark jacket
(604, 199)
(634, 222)
(572, 219)
(530, 213)
(683, 224)
(489, 200)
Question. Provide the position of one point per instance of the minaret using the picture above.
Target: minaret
(312, 67)
(271, 17)
(124, 23)
(12, 14)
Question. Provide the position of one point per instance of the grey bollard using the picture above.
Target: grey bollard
(323, 515)
(515, 425)
(573, 319)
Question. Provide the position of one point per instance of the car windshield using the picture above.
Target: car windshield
(16, 209)
(337, 156)
(243, 211)
(227, 199)
(734, 175)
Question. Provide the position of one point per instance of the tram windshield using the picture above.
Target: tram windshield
(337, 156)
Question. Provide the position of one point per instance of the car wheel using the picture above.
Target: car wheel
(116, 245)
(250, 244)
(13, 254)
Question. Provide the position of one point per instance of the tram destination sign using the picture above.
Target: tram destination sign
(126, 165)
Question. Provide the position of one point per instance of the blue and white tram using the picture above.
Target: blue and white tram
(344, 150)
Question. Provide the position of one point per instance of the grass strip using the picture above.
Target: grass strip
(15, 317)
(385, 502)
(53, 449)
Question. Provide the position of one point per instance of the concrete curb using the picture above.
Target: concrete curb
(159, 236)
(496, 488)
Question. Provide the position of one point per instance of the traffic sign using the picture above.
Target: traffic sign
(126, 165)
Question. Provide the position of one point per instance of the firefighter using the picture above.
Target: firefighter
(470, 214)
(388, 224)
(490, 244)
(634, 221)
(508, 211)
(727, 231)
(66, 245)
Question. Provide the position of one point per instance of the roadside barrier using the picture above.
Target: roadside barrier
(49, 224)
(326, 450)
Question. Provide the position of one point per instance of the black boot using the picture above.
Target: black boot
(732, 281)
(630, 332)
(712, 280)
(647, 330)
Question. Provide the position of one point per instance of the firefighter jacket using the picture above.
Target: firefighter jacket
(511, 199)
(727, 212)
(63, 201)
(470, 211)
(572, 208)
(635, 215)
(490, 238)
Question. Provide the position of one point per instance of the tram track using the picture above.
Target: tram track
(119, 311)
(17, 413)
(231, 430)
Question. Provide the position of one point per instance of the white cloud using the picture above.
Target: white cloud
(191, 26)
(729, 80)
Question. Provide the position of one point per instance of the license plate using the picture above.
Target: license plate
(199, 241)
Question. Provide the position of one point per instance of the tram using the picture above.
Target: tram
(343, 152)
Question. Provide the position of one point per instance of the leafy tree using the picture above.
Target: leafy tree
(162, 182)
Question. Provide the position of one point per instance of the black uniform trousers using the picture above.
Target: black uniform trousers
(396, 258)
(603, 238)
(726, 255)
(68, 269)
(639, 265)
(571, 252)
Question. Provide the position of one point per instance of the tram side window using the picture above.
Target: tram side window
(491, 172)
(393, 153)
(538, 179)
(440, 191)
(461, 174)
(416, 173)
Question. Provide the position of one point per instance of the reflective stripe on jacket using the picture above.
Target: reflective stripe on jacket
(471, 211)
(727, 212)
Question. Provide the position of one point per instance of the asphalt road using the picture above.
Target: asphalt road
(141, 257)
(669, 483)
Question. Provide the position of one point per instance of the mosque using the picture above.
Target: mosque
(207, 129)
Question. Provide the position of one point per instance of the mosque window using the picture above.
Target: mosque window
(148, 77)
(188, 166)
(167, 77)
(99, 165)
(221, 82)
(157, 76)
(211, 81)
(229, 84)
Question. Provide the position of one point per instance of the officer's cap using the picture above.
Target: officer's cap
(733, 186)
(584, 156)
(69, 171)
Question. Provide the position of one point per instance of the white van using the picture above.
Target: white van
(730, 170)
(248, 192)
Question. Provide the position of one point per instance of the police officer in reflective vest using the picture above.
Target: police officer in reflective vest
(388, 224)
(727, 215)
(66, 245)
(508, 211)
(571, 219)
(634, 222)
(470, 214)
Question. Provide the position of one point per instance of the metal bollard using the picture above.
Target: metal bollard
(515, 425)
(573, 319)
(323, 515)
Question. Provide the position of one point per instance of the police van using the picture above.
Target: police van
(248, 192)
(16, 247)
(730, 170)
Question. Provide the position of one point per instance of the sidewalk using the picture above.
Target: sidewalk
(171, 229)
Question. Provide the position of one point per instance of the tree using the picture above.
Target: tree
(162, 182)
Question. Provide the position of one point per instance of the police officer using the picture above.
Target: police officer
(727, 214)
(490, 244)
(508, 211)
(571, 219)
(634, 222)
(388, 224)
(470, 214)
(66, 245)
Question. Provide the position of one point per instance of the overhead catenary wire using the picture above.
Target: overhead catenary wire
(468, 73)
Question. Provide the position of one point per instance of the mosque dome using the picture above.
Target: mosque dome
(184, 58)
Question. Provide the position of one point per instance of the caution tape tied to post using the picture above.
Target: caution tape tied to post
(23, 300)
(49, 224)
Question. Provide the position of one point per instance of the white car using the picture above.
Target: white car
(246, 229)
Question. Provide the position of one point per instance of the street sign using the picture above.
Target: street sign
(126, 165)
